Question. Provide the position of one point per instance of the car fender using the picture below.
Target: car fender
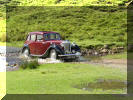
(56, 47)
(25, 46)
(76, 48)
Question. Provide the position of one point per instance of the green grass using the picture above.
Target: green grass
(67, 2)
(60, 79)
(116, 56)
(15, 44)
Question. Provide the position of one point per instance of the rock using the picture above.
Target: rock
(109, 51)
(90, 52)
(104, 51)
(84, 52)
(120, 48)
(106, 46)
(96, 53)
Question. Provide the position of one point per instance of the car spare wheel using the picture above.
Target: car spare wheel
(53, 54)
(25, 53)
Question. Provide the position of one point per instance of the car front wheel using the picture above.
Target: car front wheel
(53, 54)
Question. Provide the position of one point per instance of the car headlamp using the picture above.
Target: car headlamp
(73, 44)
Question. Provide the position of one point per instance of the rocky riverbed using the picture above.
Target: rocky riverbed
(13, 59)
(105, 50)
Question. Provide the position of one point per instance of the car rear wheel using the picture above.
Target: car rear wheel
(25, 53)
(53, 54)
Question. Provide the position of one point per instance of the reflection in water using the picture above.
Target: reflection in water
(104, 85)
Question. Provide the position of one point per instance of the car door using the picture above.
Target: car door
(32, 45)
(41, 45)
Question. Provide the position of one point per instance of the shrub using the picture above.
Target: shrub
(31, 65)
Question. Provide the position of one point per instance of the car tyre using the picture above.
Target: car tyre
(25, 53)
(53, 54)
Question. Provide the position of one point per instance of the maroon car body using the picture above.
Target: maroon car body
(40, 43)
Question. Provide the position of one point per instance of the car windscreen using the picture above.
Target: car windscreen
(52, 36)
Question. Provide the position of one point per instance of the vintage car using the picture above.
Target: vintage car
(49, 44)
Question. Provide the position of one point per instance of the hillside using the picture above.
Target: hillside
(97, 28)
(65, 2)
(84, 25)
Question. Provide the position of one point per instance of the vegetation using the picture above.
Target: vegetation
(92, 28)
(84, 25)
(116, 56)
(15, 44)
(31, 65)
(61, 79)
(65, 2)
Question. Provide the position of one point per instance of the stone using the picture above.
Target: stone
(106, 46)
(104, 51)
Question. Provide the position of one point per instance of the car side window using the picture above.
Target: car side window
(46, 36)
(33, 37)
(39, 37)
(28, 38)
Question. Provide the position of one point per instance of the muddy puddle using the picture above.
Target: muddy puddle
(104, 85)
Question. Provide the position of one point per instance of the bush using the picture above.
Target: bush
(31, 65)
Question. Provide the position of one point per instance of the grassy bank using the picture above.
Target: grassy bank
(116, 56)
(86, 26)
(15, 44)
(61, 79)
(63, 3)
(66, 2)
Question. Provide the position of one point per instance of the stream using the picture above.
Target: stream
(10, 56)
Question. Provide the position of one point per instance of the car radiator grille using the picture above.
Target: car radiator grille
(67, 48)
